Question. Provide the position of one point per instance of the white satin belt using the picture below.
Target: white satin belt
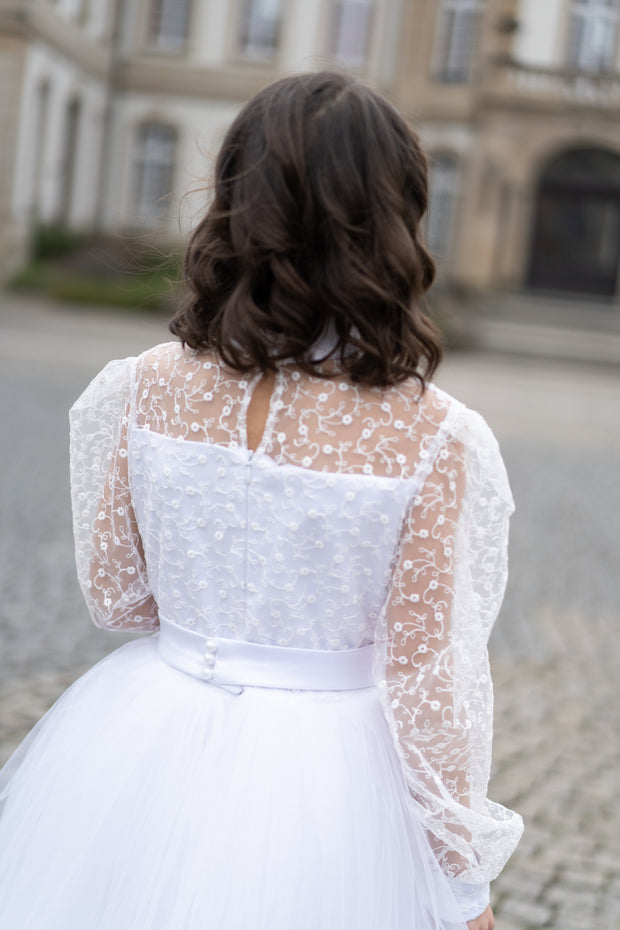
(234, 664)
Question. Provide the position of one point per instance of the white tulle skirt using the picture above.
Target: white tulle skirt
(149, 800)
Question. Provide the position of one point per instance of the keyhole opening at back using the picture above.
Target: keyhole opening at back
(258, 409)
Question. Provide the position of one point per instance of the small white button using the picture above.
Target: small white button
(207, 674)
(210, 643)
(209, 659)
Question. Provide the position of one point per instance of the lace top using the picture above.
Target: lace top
(365, 515)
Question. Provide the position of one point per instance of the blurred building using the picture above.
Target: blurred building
(109, 107)
(518, 104)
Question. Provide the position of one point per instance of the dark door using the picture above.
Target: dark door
(576, 236)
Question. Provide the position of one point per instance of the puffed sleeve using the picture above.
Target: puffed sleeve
(108, 549)
(446, 592)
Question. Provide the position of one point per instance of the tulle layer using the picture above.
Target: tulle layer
(148, 800)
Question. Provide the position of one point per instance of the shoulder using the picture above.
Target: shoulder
(162, 357)
(173, 362)
(113, 383)
(468, 431)
(461, 421)
(164, 352)
(109, 385)
(443, 414)
(160, 360)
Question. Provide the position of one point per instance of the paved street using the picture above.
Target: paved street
(556, 647)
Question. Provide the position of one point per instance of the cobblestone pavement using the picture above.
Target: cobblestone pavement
(555, 650)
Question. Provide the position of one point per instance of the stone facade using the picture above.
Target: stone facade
(13, 228)
(112, 109)
(498, 107)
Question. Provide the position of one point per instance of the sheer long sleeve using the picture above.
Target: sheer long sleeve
(446, 592)
(109, 555)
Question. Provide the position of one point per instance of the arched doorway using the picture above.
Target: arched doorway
(576, 235)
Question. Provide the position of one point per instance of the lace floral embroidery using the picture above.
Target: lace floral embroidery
(365, 515)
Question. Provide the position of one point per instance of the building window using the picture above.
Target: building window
(83, 11)
(166, 25)
(593, 35)
(69, 159)
(260, 27)
(457, 39)
(443, 194)
(40, 147)
(350, 34)
(154, 171)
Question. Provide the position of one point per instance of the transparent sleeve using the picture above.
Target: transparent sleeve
(446, 592)
(108, 549)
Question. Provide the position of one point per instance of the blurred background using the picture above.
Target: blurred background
(110, 114)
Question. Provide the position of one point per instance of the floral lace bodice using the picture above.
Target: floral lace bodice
(364, 515)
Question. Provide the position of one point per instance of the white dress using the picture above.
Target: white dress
(303, 742)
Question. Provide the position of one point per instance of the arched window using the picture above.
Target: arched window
(166, 24)
(350, 35)
(443, 194)
(457, 39)
(154, 171)
(260, 28)
(593, 35)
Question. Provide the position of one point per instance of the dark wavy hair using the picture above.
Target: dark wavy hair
(314, 228)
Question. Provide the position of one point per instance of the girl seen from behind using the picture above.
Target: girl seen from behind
(317, 537)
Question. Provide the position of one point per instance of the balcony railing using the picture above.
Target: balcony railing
(553, 85)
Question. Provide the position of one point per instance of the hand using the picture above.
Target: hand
(486, 921)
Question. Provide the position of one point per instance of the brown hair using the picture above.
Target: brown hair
(320, 187)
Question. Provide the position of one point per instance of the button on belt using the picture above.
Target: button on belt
(235, 663)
